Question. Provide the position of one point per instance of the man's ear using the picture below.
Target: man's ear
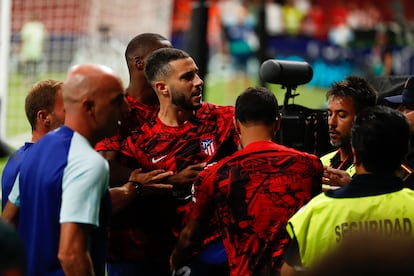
(139, 63)
(88, 105)
(41, 115)
(276, 127)
(161, 87)
(42, 118)
(277, 122)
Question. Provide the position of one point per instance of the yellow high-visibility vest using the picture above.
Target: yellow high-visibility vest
(325, 222)
(326, 161)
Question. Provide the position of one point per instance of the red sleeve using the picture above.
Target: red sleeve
(203, 195)
(317, 178)
(109, 144)
(128, 146)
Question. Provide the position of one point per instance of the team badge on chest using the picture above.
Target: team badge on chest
(208, 146)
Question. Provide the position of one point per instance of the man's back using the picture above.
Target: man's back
(374, 203)
(49, 169)
(10, 172)
(254, 193)
(380, 206)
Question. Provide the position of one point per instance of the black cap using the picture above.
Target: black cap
(407, 95)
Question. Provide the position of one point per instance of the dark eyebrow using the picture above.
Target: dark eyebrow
(188, 75)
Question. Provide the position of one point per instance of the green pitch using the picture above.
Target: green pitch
(219, 91)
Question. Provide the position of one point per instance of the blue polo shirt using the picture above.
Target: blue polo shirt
(11, 170)
(62, 179)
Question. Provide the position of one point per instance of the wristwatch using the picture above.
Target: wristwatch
(138, 186)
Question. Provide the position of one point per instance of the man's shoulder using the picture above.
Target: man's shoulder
(141, 109)
(20, 151)
(209, 109)
(15, 159)
(330, 154)
(212, 168)
(295, 152)
(319, 202)
(53, 141)
(326, 158)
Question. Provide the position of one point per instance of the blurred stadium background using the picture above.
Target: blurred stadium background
(336, 37)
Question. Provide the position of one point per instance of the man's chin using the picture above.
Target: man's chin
(198, 105)
(336, 144)
(193, 107)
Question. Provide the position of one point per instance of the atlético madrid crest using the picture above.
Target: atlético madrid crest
(208, 146)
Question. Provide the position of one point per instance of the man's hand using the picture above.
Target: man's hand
(152, 179)
(191, 237)
(152, 182)
(186, 177)
(335, 178)
(183, 180)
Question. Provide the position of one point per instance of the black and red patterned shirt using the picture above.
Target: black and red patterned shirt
(152, 225)
(131, 122)
(251, 195)
(207, 137)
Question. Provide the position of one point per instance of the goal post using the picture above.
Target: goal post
(5, 10)
(88, 31)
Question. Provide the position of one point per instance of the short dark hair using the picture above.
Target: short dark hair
(356, 88)
(380, 136)
(158, 62)
(257, 105)
(42, 96)
(142, 44)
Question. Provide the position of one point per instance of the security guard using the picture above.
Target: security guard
(404, 103)
(374, 202)
(345, 99)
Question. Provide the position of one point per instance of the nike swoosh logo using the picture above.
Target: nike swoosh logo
(156, 160)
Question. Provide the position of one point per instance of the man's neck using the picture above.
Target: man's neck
(345, 153)
(360, 169)
(142, 93)
(39, 133)
(254, 133)
(173, 116)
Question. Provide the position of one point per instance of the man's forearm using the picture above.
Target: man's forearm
(118, 173)
(11, 214)
(73, 251)
(190, 239)
(80, 265)
(122, 196)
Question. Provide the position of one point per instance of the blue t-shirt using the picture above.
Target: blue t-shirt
(62, 179)
(10, 172)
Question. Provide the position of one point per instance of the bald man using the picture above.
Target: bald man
(61, 194)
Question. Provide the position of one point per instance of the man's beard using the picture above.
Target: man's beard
(182, 102)
(342, 142)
